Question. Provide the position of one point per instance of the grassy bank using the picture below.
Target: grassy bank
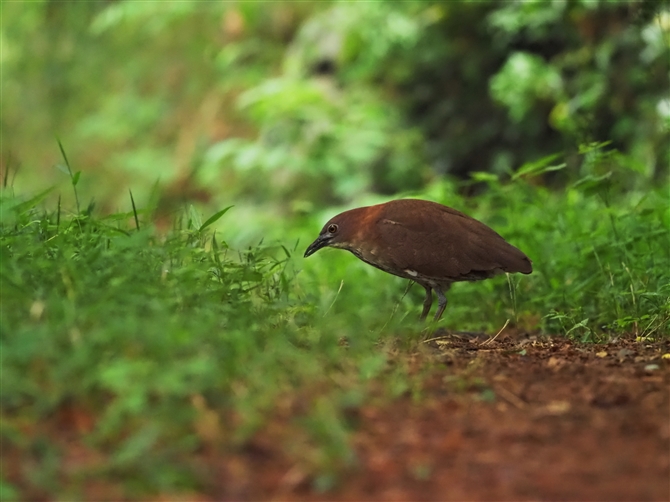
(144, 351)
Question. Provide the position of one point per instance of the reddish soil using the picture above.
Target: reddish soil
(533, 419)
(512, 419)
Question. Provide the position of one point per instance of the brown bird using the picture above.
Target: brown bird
(426, 242)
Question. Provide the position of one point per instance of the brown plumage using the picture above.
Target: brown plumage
(426, 242)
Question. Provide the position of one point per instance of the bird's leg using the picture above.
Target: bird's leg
(441, 300)
(427, 303)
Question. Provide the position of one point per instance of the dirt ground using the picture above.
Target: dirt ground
(518, 418)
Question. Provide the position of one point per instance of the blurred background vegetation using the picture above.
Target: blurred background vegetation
(548, 120)
(291, 106)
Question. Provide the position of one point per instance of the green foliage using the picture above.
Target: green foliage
(554, 114)
(326, 101)
(170, 344)
(323, 136)
(561, 73)
(145, 335)
(524, 79)
(599, 248)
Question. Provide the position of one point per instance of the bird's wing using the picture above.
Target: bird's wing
(446, 243)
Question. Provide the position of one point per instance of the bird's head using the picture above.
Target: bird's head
(340, 232)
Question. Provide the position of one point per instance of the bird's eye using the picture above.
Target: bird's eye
(332, 228)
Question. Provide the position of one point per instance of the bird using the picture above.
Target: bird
(423, 241)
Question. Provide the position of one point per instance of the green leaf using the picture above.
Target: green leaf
(483, 176)
(28, 204)
(251, 276)
(63, 169)
(539, 166)
(593, 184)
(590, 147)
(213, 218)
(194, 220)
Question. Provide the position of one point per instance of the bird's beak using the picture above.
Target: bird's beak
(320, 242)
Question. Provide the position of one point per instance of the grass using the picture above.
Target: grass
(159, 347)
(144, 337)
